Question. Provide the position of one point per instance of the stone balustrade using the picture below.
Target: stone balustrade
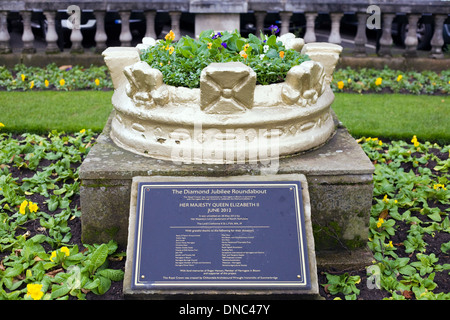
(205, 9)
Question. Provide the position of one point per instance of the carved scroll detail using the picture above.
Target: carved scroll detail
(304, 84)
(145, 85)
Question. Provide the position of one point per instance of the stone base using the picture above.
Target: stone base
(217, 21)
(339, 176)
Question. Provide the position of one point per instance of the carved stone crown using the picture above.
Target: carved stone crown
(229, 119)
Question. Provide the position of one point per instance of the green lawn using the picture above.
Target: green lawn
(43, 111)
(395, 116)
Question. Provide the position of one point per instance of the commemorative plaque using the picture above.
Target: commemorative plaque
(219, 235)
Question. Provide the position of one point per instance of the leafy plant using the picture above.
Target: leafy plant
(344, 284)
(181, 62)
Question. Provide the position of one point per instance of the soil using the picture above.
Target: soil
(433, 246)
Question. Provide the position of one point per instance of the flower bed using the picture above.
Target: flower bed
(53, 77)
(41, 255)
(363, 80)
(388, 80)
(409, 226)
(40, 247)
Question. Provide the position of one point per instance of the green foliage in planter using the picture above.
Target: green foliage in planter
(181, 62)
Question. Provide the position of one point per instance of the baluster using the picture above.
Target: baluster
(259, 17)
(175, 23)
(438, 40)
(285, 21)
(411, 37)
(4, 34)
(76, 37)
(51, 37)
(335, 36)
(361, 37)
(100, 34)
(150, 22)
(310, 34)
(386, 36)
(27, 35)
(125, 34)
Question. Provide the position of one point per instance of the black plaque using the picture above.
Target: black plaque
(203, 235)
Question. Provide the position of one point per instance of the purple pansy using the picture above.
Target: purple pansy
(217, 35)
(274, 29)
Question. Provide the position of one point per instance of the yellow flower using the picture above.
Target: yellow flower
(246, 47)
(390, 245)
(414, 140)
(340, 85)
(53, 255)
(439, 185)
(349, 80)
(161, 64)
(62, 82)
(281, 54)
(97, 82)
(209, 45)
(65, 250)
(34, 291)
(385, 199)
(23, 206)
(82, 130)
(31, 84)
(22, 76)
(378, 81)
(243, 54)
(170, 36)
(171, 49)
(33, 207)
(399, 78)
(380, 222)
(1, 125)
(46, 83)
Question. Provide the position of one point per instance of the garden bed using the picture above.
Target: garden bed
(366, 80)
(409, 227)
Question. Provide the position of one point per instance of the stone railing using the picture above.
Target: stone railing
(209, 13)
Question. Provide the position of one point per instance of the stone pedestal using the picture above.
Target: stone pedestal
(207, 14)
(339, 176)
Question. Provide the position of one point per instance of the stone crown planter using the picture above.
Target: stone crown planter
(229, 119)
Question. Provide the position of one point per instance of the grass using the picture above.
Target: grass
(394, 116)
(44, 111)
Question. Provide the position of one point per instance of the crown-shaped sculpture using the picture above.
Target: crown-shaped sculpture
(229, 119)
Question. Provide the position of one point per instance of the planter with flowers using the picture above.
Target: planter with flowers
(222, 98)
